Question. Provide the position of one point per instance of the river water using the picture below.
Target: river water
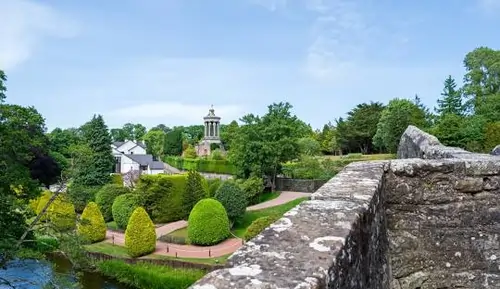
(34, 274)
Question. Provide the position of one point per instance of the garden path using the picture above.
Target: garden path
(191, 251)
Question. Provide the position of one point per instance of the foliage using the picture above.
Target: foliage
(227, 134)
(152, 189)
(106, 196)
(173, 143)
(252, 188)
(62, 140)
(92, 227)
(262, 144)
(97, 172)
(217, 155)
(492, 134)
(313, 168)
(129, 131)
(140, 236)
(395, 118)
(170, 206)
(122, 208)
(258, 226)
(359, 128)
(201, 165)
(80, 195)
(117, 179)
(190, 152)
(142, 275)
(208, 223)
(233, 198)
(213, 185)
(327, 139)
(155, 142)
(451, 101)
(309, 146)
(61, 214)
(193, 192)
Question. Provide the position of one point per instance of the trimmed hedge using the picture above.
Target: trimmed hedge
(208, 223)
(123, 207)
(169, 208)
(106, 196)
(258, 226)
(233, 198)
(92, 227)
(140, 236)
(201, 165)
(117, 179)
(194, 192)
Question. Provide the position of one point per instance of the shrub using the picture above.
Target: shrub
(217, 155)
(117, 179)
(190, 152)
(258, 226)
(169, 207)
(45, 244)
(213, 186)
(80, 195)
(201, 165)
(122, 208)
(61, 214)
(152, 188)
(232, 197)
(253, 188)
(208, 223)
(106, 196)
(193, 193)
(140, 236)
(92, 227)
(38, 204)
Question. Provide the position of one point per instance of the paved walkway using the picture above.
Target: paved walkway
(192, 251)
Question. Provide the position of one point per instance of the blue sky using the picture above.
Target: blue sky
(167, 61)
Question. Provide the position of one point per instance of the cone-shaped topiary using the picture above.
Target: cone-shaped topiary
(123, 207)
(42, 201)
(61, 214)
(92, 226)
(208, 223)
(140, 236)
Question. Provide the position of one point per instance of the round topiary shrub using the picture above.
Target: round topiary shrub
(92, 226)
(122, 209)
(233, 198)
(61, 214)
(106, 196)
(140, 236)
(208, 223)
(258, 226)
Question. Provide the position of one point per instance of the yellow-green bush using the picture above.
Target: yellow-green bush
(208, 223)
(258, 226)
(61, 214)
(41, 202)
(140, 236)
(117, 179)
(92, 226)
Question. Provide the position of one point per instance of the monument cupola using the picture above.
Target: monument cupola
(212, 125)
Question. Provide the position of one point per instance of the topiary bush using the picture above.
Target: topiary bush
(253, 188)
(208, 223)
(233, 199)
(106, 196)
(117, 179)
(169, 206)
(123, 207)
(152, 189)
(140, 236)
(92, 227)
(193, 192)
(258, 226)
(80, 195)
(61, 214)
(38, 204)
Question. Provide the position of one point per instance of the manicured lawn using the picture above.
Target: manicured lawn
(267, 196)
(241, 226)
(119, 251)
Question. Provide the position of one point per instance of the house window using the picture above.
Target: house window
(144, 168)
(131, 153)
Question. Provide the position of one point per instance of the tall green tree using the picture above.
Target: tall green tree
(155, 142)
(173, 143)
(3, 88)
(227, 134)
(99, 141)
(327, 139)
(118, 134)
(395, 118)
(451, 101)
(193, 192)
(262, 144)
(61, 140)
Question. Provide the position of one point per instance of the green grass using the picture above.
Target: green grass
(150, 276)
(241, 225)
(267, 196)
(113, 226)
(179, 233)
(119, 251)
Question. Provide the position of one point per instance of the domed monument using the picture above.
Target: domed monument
(211, 137)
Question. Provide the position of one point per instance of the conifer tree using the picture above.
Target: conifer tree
(451, 99)
(194, 192)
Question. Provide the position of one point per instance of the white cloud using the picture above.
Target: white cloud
(181, 112)
(25, 24)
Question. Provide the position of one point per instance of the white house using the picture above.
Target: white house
(131, 156)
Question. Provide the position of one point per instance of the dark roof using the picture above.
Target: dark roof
(140, 144)
(118, 143)
(147, 160)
